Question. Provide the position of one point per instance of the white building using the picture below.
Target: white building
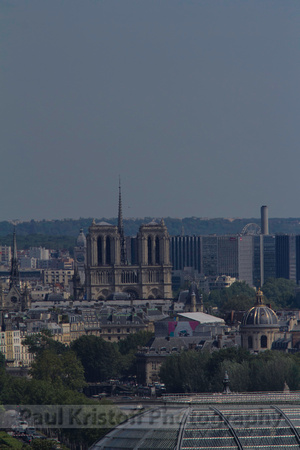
(39, 253)
(16, 354)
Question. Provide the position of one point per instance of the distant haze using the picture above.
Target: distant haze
(187, 226)
(194, 103)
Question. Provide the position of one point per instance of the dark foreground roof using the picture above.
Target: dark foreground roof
(233, 424)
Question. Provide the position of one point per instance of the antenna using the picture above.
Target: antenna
(121, 227)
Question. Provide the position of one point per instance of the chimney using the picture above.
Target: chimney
(264, 220)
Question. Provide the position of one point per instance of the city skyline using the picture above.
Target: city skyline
(194, 104)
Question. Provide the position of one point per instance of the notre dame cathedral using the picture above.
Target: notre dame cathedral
(108, 270)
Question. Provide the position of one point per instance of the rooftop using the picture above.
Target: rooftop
(215, 421)
(201, 317)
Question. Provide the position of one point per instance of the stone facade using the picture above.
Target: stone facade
(57, 276)
(80, 256)
(13, 300)
(259, 327)
(107, 273)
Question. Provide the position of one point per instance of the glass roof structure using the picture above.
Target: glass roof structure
(224, 425)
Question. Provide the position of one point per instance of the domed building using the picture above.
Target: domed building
(259, 326)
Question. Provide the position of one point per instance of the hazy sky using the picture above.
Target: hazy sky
(194, 103)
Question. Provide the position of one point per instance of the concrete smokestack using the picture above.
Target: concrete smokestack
(264, 220)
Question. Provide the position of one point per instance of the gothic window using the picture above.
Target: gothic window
(149, 250)
(250, 342)
(264, 341)
(108, 254)
(157, 253)
(99, 248)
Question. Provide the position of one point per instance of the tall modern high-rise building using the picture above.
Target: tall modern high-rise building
(235, 257)
(185, 251)
(250, 258)
(209, 257)
(285, 247)
(264, 259)
(254, 256)
(228, 255)
(214, 255)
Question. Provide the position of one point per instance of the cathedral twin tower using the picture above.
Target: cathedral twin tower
(108, 272)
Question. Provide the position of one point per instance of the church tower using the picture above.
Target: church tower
(80, 256)
(15, 300)
(153, 242)
(14, 271)
(108, 271)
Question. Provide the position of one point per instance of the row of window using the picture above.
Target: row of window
(263, 342)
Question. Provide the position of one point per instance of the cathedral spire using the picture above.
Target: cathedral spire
(14, 271)
(120, 215)
(121, 227)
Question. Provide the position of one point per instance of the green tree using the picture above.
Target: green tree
(59, 369)
(280, 292)
(193, 366)
(239, 296)
(42, 341)
(128, 348)
(170, 373)
(133, 341)
(203, 372)
(100, 359)
(239, 375)
(215, 297)
(240, 288)
(23, 391)
(271, 369)
(185, 372)
(2, 361)
(10, 443)
(37, 444)
(238, 303)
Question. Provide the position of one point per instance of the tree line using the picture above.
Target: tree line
(59, 374)
(279, 293)
(191, 225)
(196, 371)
